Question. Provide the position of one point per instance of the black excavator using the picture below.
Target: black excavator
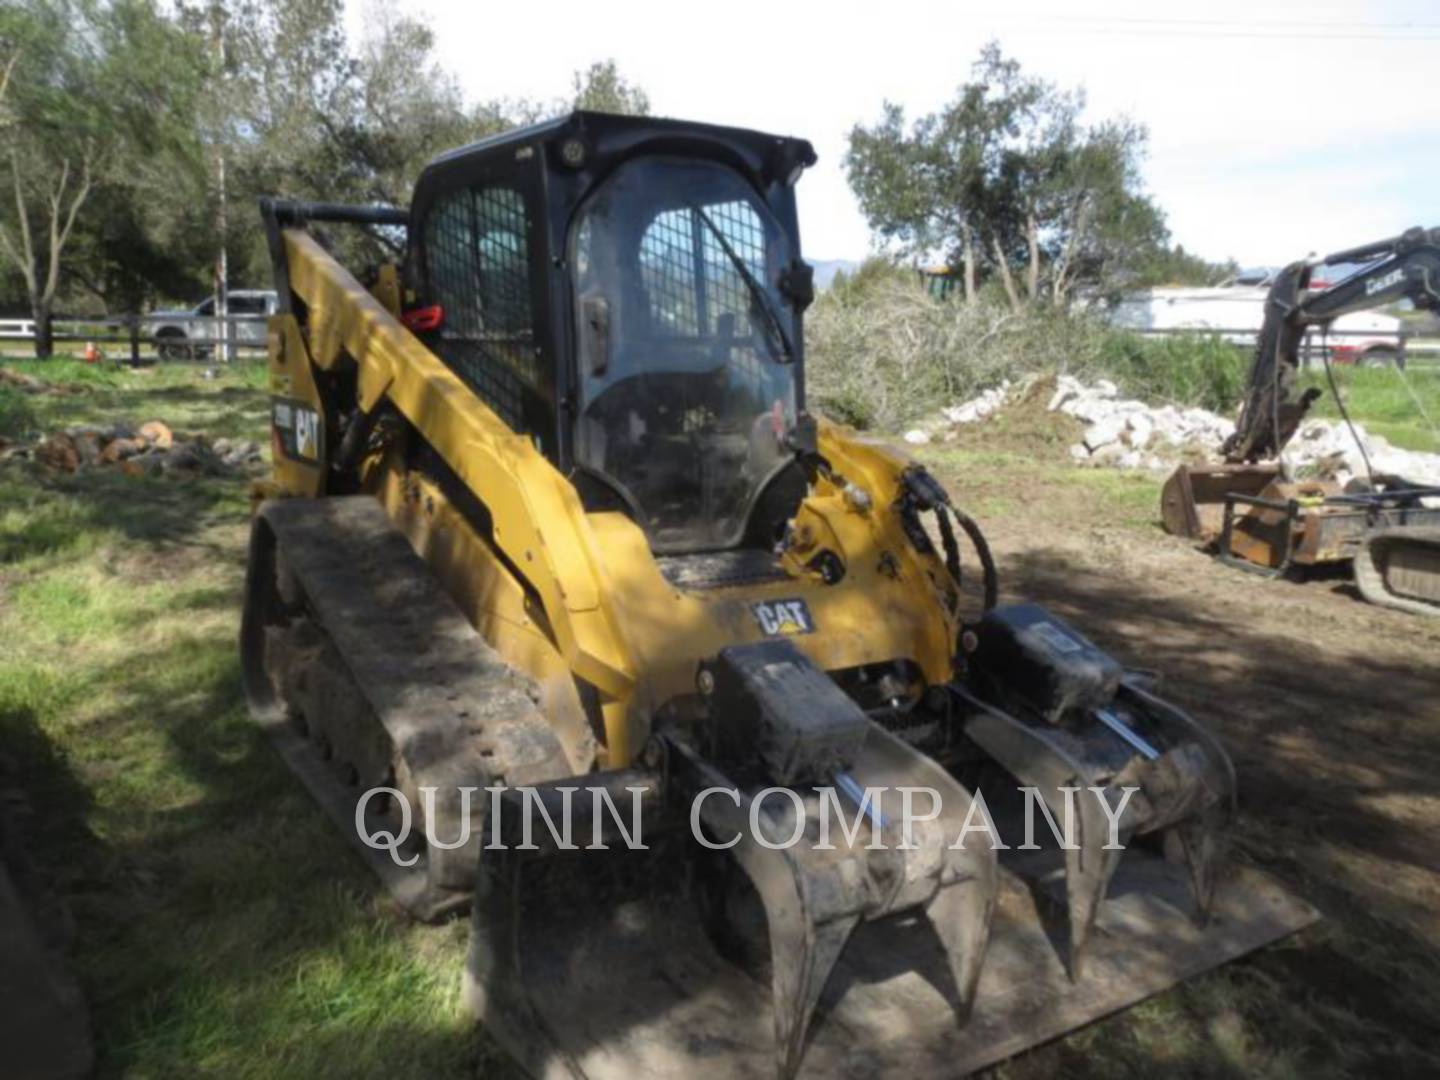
(1256, 517)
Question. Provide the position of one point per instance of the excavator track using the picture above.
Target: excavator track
(364, 673)
(1400, 568)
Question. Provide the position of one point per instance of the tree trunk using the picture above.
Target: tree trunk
(1072, 242)
(1032, 241)
(1005, 278)
(44, 332)
(967, 240)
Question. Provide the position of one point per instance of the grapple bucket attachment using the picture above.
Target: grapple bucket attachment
(607, 972)
(866, 956)
(1192, 502)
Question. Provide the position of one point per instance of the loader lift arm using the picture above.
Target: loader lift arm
(1402, 267)
(392, 365)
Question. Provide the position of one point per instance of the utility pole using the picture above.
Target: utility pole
(222, 262)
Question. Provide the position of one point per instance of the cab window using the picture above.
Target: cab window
(478, 268)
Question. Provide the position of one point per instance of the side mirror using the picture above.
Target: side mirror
(797, 283)
(595, 321)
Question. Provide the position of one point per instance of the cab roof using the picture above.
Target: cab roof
(606, 139)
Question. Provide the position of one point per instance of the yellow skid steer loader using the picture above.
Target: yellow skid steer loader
(570, 614)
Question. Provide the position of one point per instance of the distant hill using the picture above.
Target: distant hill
(826, 269)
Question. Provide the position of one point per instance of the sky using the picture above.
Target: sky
(1276, 129)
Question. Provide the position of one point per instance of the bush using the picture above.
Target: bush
(1190, 369)
(16, 417)
(882, 353)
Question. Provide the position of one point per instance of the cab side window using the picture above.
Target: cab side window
(477, 255)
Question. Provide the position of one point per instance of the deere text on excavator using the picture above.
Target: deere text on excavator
(549, 516)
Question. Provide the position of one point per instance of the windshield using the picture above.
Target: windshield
(687, 391)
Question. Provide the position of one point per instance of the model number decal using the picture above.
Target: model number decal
(784, 617)
(1056, 638)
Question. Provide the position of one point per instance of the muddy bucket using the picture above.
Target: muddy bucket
(1192, 503)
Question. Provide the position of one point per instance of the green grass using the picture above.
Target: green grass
(1002, 483)
(225, 406)
(1379, 399)
(224, 928)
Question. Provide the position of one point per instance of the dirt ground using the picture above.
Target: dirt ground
(1330, 708)
(175, 830)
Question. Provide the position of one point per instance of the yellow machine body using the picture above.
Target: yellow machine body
(576, 598)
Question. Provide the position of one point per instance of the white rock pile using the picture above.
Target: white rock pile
(1128, 434)
(1331, 450)
(977, 408)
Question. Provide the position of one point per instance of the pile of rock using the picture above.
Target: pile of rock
(152, 449)
(1328, 449)
(1129, 434)
(987, 404)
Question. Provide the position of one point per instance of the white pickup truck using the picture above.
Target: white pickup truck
(1236, 309)
(191, 334)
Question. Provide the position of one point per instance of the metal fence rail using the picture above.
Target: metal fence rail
(1406, 345)
(137, 331)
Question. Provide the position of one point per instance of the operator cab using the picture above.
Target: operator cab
(628, 293)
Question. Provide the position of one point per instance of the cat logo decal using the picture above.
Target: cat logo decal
(784, 617)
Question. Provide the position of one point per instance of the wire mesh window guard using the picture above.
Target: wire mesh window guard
(478, 254)
(689, 280)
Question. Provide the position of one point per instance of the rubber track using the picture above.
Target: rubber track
(456, 713)
(1372, 573)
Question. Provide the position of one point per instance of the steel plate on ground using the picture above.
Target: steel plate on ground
(637, 990)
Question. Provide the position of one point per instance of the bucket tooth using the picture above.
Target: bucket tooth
(1202, 833)
(804, 943)
(960, 914)
(955, 885)
(1202, 846)
(803, 955)
(1089, 866)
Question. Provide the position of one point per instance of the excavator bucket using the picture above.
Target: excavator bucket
(1192, 502)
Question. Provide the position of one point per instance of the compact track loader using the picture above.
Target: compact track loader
(1258, 518)
(549, 521)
